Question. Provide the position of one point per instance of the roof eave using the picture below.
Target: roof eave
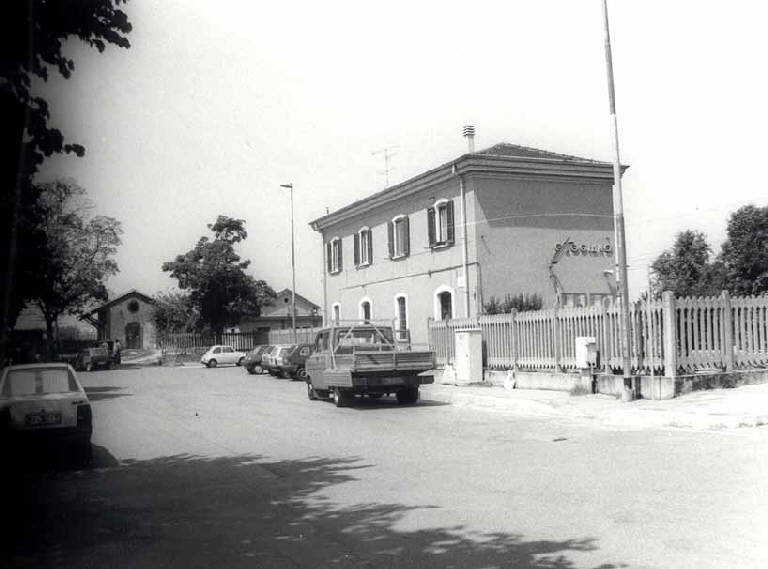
(586, 170)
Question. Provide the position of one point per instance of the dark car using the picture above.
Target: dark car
(93, 358)
(290, 362)
(252, 361)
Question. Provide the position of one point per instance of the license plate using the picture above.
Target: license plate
(43, 419)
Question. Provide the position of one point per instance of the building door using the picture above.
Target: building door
(446, 305)
(133, 335)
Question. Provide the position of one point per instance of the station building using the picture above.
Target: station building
(505, 220)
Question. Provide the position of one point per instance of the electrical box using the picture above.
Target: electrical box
(468, 344)
(586, 352)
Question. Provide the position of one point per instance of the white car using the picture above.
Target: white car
(222, 355)
(44, 402)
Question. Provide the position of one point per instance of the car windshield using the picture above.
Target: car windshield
(25, 382)
(365, 337)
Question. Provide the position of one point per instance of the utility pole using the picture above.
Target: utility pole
(618, 212)
(387, 152)
(293, 270)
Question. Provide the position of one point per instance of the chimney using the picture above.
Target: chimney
(469, 134)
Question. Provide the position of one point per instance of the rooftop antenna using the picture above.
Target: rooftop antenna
(388, 154)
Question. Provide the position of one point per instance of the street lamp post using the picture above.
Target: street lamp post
(293, 269)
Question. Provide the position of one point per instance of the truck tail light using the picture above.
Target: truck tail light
(84, 416)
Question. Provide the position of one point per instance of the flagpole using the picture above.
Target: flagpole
(618, 212)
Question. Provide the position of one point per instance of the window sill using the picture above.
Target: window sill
(363, 265)
(441, 245)
(398, 257)
(336, 272)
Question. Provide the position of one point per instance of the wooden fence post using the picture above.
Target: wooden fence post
(669, 317)
(727, 331)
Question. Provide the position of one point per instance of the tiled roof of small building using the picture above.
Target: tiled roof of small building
(515, 150)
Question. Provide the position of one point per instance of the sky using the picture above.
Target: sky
(218, 103)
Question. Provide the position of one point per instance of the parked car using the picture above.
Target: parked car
(350, 360)
(44, 402)
(272, 360)
(93, 358)
(222, 355)
(291, 361)
(266, 357)
(252, 361)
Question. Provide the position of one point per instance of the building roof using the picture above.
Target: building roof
(502, 158)
(287, 291)
(132, 292)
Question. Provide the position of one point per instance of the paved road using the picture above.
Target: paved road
(201, 468)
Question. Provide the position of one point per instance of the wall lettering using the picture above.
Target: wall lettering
(583, 249)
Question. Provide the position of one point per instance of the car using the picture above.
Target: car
(45, 402)
(365, 360)
(270, 359)
(252, 361)
(222, 355)
(93, 358)
(291, 361)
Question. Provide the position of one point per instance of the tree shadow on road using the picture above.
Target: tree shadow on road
(244, 511)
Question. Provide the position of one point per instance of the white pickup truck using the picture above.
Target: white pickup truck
(365, 360)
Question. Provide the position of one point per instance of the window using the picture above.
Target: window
(443, 303)
(333, 255)
(365, 310)
(398, 231)
(401, 317)
(440, 224)
(363, 247)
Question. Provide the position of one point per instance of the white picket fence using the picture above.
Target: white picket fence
(669, 336)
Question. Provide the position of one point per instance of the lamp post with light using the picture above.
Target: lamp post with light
(293, 269)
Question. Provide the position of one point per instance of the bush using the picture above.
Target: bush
(521, 302)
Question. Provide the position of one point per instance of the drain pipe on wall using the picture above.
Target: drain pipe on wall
(464, 254)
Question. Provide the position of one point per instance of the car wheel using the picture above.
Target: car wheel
(249, 369)
(212, 363)
(408, 395)
(258, 369)
(311, 392)
(240, 362)
(340, 398)
(301, 374)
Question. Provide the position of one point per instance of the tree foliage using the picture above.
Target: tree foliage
(741, 267)
(174, 312)
(78, 253)
(744, 255)
(521, 302)
(215, 277)
(33, 35)
(685, 269)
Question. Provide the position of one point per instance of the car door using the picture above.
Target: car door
(228, 355)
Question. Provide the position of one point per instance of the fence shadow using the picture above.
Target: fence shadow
(242, 511)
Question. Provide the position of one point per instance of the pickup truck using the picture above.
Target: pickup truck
(364, 359)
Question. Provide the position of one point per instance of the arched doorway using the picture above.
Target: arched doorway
(133, 335)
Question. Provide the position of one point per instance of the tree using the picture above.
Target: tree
(686, 269)
(744, 254)
(174, 312)
(77, 256)
(215, 276)
(33, 34)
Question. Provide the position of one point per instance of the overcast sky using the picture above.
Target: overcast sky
(217, 103)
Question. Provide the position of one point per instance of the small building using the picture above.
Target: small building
(127, 318)
(506, 220)
(277, 315)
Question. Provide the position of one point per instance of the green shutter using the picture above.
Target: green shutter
(407, 244)
(370, 246)
(391, 238)
(357, 250)
(450, 238)
(431, 226)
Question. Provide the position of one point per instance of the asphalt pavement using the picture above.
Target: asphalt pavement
(195, 467)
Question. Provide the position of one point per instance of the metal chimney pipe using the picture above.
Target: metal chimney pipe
(469, 134)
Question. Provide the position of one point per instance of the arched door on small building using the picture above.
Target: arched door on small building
(133, 335)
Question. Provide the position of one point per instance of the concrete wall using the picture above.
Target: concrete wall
(518, 223)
